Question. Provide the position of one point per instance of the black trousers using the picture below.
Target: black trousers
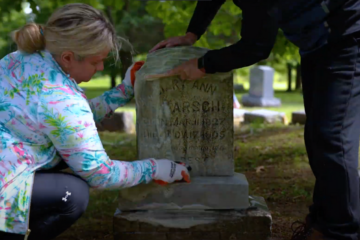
(331, 89)
(58, 201)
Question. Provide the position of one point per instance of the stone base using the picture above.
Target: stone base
(252, 223)
(239, 87)
(265, 116)
(119, 122)
(251, 101)
(237, 122)
(202, 193)
(298, 117)
(239, 117)
(239, 114)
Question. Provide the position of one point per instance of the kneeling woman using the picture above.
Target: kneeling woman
(46, 121)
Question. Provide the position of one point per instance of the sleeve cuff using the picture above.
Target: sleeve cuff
(196, 32)
(205, 65)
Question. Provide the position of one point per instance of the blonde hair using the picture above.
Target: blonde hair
(75, 27)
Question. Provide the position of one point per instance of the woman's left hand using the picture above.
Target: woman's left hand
(130, 72)
(187, 71)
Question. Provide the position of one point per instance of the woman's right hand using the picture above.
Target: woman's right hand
(168, 171)
(186, 40)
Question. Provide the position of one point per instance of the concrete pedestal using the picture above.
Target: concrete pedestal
(265, 116)
(230, 192)
(252, 101)
(208, 208)
(298, 117)
(252, 223)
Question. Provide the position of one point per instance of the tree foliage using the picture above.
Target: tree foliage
(145, 23)
(224, 30)
(11, 18)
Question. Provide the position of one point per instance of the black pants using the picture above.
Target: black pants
(331, 88)
(58, 201)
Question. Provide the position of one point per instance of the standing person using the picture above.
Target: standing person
(327, 33)
(46, 121)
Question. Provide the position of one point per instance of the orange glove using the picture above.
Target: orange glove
(130, 72)
(169, 171)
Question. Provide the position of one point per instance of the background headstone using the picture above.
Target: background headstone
(118, 122)
(265, 116)
(261, 92)
(239, 114)
(239, 87)
(298, 117)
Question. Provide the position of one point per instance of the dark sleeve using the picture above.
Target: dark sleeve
(259, 30)
(204, 13)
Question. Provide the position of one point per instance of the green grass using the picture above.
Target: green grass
(290, 102)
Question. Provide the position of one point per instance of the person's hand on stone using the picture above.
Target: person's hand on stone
(187, 71)
(129, 78)
(169, 171)
(186, 40)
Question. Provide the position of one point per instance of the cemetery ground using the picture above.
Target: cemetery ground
(272, 158)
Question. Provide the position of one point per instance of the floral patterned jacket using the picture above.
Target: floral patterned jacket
(45, 118)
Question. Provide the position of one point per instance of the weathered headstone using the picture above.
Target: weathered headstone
(188, 121)
(118, 122)
(239, 87)
(239, 114)
(261, 92)
(298, 117)
(265, 116)
(192, 122)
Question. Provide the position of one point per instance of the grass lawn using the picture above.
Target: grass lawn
(290, 102)
(283, 178)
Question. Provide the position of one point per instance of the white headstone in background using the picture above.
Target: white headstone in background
(261, 91)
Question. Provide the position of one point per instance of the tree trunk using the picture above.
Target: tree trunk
(289, 77)
(126, 61)
(113, 80)
(113, 71)
(125, 56)
(298, 77)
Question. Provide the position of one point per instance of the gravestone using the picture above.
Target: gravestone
(261, 92)
(239, 114)
(187, 121)
(298, 117)
(239, 87)
(191, 122)
(118, 122)
(265, 116)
